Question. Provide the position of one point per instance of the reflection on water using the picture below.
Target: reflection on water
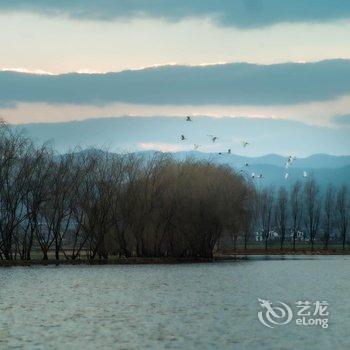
(194, 306)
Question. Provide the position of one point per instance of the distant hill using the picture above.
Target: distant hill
(324, 168)
(267, 136)
(163, 133)
(273, 175)
(316, 161)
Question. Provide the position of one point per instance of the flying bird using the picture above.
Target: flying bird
(291, 159)
(245, 143)
(229, 151)
(188, 119)
(213, 138)
(196, 146)
(183, 138)
(260, 176)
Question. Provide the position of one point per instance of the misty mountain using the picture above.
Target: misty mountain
(325, 169)
(336, 170)
(316, 161)
(267, 136)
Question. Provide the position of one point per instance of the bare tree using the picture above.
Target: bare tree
(281, 214)
(95, 203)
(57, 211)
(14, 149)
(312, 209)
(266, 201)
(76, 234)
(35, 195)
(328, 215)
(296, 206)
(342, 209)
(249, 215)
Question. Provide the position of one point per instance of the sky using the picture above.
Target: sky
(74, 60)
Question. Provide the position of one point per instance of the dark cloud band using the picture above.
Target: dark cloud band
(238, 13)
(231, 84)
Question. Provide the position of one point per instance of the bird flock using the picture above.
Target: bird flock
(213, 138)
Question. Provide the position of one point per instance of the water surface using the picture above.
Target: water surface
(186, 306)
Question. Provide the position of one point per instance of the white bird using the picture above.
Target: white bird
(260, 176)
(286, 176)
(188, 119)
(253, 175)
(245, 143)
(196, 146)
(305, 174)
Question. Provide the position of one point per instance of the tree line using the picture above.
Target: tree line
(99, 204)
(93, 204)
(304, 213)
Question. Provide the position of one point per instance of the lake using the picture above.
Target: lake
(183, 306)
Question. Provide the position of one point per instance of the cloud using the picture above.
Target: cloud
(224, 84)
(315, 113)
(237, 13)
(163, 147)
(343, 119)
(24, 70)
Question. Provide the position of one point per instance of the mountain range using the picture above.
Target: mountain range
(310, 144)
(324, 168)
(266, 135)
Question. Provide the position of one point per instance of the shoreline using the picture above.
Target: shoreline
(286, 252)
(113, 261)
(232, 256)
